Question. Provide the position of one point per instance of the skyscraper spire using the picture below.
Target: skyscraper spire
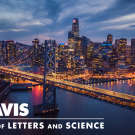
(75, 27)
(82, 31)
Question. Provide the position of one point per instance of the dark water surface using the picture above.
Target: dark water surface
(118, 120)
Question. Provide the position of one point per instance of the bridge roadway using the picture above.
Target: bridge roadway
(57, 82)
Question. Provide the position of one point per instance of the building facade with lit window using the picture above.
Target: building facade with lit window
(110, 38)
(128, 56)
(106, 45)
(2, 47)
(2, 52)
(133, 51)
(123, 70)
(71, 39)
(75, 27)
(85, 43)
(97, 61)
(121, 49)
(113, 59)
(78, 65)
(10, 51)
(35, 51)
(117, 42)
(96, 47)
(78, 47)
(89, 52)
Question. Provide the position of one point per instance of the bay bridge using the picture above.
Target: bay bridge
(50, 83)
(94, 92)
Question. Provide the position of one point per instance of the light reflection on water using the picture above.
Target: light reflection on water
(118, 86)
(118, 120)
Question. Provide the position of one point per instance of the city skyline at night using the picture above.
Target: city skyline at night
(22, 20)
(67, 67)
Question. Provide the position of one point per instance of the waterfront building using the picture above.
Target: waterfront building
(123, 70)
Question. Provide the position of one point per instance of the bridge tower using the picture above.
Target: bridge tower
(49, 92)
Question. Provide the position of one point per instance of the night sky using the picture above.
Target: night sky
(20, 20)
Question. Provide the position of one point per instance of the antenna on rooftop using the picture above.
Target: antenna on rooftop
(37, 34)
(82, 31)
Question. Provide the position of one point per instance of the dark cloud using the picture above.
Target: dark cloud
(118, 9)
(21, 19)
(132, 25)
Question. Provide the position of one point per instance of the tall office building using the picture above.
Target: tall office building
(75, 27)
(133, 51)
(128, 56)
(10, 51)
(122, 46)
(78, 47)
(110, 38)
(35, 51)
(40, 53)
(2, 45)
(90, 50)
(116, 41)
(35, 43)
(71, 39)
(113, 59)
(74, 34)
(85, 43)
(97, 61)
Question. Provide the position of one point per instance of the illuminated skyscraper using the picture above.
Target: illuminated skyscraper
(10, 51)
(75, 27)
(128, 56)
(133, 51)
(110, 38)
(71, 39)
(74, 34)
(116, 41)
(113, 59)
(97, 61)
(35, 48)
(35, 43)
(85, 43)
(78, 47)
(122, 46)
(2, 45)
(90, 50)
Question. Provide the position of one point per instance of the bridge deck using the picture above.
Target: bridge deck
(72, 84)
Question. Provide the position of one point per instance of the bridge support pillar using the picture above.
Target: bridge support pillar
(49, 92)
